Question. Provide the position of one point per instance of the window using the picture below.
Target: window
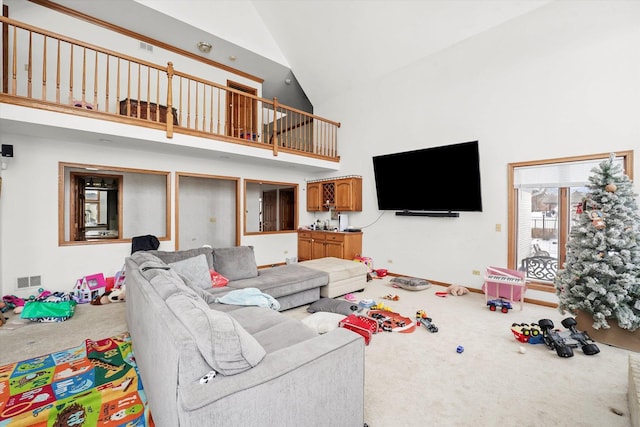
(270, 207)
(105, 204)
(544, 198)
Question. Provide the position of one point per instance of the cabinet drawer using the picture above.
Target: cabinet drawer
(304, 234)
(319, 235)
(334, 237)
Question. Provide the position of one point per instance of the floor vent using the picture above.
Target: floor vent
(29, 282)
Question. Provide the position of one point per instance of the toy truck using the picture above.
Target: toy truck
(422, 319)
(499, 303)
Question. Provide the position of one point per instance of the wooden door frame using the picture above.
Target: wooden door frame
(230, 107)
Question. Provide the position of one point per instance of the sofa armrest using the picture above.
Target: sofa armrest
(328, 368)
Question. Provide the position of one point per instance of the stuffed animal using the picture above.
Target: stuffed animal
(101, 299)
(117, 295)
(457, 290)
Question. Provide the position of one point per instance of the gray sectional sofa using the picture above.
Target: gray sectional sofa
(292, 285)
(270, 369)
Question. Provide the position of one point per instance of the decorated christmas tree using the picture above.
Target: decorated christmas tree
(601, 275)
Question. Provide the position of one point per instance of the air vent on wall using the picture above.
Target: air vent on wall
(146, 46)
(29, 282)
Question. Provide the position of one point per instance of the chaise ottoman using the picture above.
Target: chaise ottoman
(344, 275)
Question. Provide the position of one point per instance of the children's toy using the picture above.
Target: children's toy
(390, 321)
(366, 303)
(527, 333)
(380, 306)
(505, 284)
(361, 325)
(456, 290)
(55, 307)
(501, 304)
(459, 349)
(89, 287)
(391, 297)
(421, 317)
(117, 295)
(563, 342)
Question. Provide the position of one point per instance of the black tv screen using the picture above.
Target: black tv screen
(445, 178)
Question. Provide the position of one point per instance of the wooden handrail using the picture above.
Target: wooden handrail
(165, 98)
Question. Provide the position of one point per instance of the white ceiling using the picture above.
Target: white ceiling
(333, 45)
(330, 45)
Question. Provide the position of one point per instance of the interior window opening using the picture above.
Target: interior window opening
(109, 204)
(270, 207)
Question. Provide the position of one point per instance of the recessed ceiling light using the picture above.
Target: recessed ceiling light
(204, 47)
(232, 57)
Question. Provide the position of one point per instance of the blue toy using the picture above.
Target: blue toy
(459, 349)
(503, 305)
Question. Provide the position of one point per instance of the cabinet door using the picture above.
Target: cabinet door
(304, 246)
(334, 249)
(348, 195)
(314, 196)
(352, 245)
(317, 249)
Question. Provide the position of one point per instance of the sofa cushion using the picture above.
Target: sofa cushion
(226, 346)
(173, 256)
(168, 284)
(333, 306)
(194, 271)
(235, 263)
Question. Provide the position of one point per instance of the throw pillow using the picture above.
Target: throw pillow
(333, 306)
(322, 322)
(194, 271)
(235, 263)
(174, 256)
(226, 346)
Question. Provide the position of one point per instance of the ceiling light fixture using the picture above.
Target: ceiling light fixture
(204, 47)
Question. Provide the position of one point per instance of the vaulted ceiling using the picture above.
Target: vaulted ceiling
(325, 47)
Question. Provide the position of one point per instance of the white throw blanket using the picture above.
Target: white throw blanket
(249, 296)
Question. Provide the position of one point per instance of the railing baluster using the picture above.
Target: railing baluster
(148, 95)
(106, 87)
(58, 74)
(180, 120)
(71, 75)
(195, 121)
(30, 66)
(44, 70)
(219, 113)
(211, 93)
(168, 114)
(14, 68)
(95, 82)
(188, 103)
(84, 75)
(169, 99)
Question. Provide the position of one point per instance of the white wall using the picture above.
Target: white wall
(560, 81)
(29, 206)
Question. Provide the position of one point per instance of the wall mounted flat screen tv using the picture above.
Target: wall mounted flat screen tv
(443, 179)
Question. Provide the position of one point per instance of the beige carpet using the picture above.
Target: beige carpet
(418, 379)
